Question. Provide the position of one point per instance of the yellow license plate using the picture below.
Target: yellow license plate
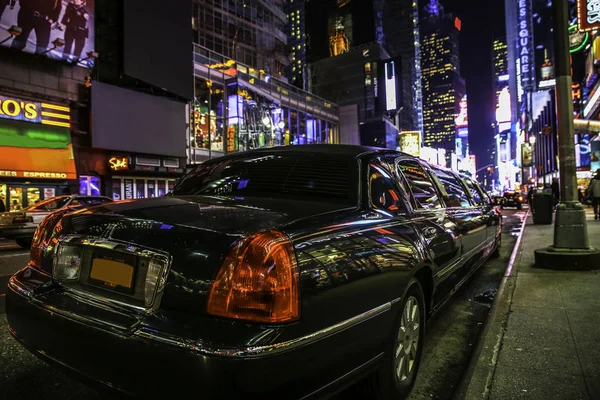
(112, 273)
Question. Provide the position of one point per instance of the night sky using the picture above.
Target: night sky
(481, 22)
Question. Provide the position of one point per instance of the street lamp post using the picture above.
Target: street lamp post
(571, 248)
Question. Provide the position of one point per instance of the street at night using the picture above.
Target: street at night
(300, 199)
(449, 342)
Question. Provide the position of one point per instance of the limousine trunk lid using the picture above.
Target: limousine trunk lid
(193, 232)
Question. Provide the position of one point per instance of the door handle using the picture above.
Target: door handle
(429, 232)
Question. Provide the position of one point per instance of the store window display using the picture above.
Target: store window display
(207, 116)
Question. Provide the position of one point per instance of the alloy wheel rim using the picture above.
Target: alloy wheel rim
(407, 341)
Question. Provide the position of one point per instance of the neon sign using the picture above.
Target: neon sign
(588, 15)
(31, 111)
(118, 163)
(525, 45)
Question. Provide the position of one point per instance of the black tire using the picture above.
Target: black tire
(502, 207)
(384, 384)
(25, 243)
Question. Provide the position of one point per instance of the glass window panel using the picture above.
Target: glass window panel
(151, 184)
(161, 186)
(140, 187)
(116, 189)
(94, 186)
(16, 198)
(3, 200)
(33, 196)
(422, 187)
(83, 185)
(456, 195)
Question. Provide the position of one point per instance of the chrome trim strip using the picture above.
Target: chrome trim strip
(255, 351)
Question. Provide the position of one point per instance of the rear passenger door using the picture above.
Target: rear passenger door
(493, 220)
(470, 221)
(434, 224)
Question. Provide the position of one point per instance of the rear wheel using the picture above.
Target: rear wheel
(396, 376)
(25, 243)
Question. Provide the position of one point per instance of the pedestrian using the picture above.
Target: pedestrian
(593, 191)
(37, 16)
(74, 23)
(2, 206)
(4, 4)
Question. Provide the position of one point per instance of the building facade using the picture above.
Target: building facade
(250, 32)
(443, 87)
(120, 119)
(295, 29)
(336, 28)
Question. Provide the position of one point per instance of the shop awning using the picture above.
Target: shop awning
(36, 151)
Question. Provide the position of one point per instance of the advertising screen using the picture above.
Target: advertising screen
(340, 34)
(410, 143)
(58, 29)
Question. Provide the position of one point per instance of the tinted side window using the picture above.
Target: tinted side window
(457, 197)
(384, 194)
(475, 194)
(423, 189)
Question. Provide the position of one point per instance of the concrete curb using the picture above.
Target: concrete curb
(477, 381)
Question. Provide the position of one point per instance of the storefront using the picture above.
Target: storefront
(134, 176)
(238, 108)
(36, 153)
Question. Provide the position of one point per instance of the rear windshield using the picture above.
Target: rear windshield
(303, 176)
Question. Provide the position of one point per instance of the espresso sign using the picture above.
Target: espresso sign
(588, 15)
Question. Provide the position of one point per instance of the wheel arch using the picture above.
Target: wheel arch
(424, 274)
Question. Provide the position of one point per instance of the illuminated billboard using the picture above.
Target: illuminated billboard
(390, 86)
(410, 142)
(340, 34)
(58, 29)
(503, 112)
(588, 14)
(462, 119)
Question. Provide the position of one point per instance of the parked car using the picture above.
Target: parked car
(276, 273)
(21, 225)
(497, 200)
(513, 199)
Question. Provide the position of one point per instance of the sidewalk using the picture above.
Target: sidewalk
(542, 337)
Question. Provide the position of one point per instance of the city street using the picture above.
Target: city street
(451, 335)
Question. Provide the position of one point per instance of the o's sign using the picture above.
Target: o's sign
(588, 15)
(31, 111)
(19, 110)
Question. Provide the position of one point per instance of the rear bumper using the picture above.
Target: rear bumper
(149, 363)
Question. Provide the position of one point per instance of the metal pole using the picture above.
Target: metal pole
(570, 229)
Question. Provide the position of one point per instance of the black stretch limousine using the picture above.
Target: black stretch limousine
(277, 273)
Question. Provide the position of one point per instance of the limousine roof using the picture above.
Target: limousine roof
(339, 149)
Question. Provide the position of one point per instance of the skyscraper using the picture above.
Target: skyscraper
(335, 27)
(443, 87)
(295, 30)
(403, 40)
(249, 32)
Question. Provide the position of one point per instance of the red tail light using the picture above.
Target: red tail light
(258, 281)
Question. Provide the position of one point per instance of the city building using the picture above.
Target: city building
(241, 96)
(249, 32)
(443, 87)
(121, 119)
(295, 29)
(335, 28)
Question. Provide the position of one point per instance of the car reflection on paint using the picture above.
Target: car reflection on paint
(276, 273)
(21, 225)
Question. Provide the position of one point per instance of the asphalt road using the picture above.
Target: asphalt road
(450, 338)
